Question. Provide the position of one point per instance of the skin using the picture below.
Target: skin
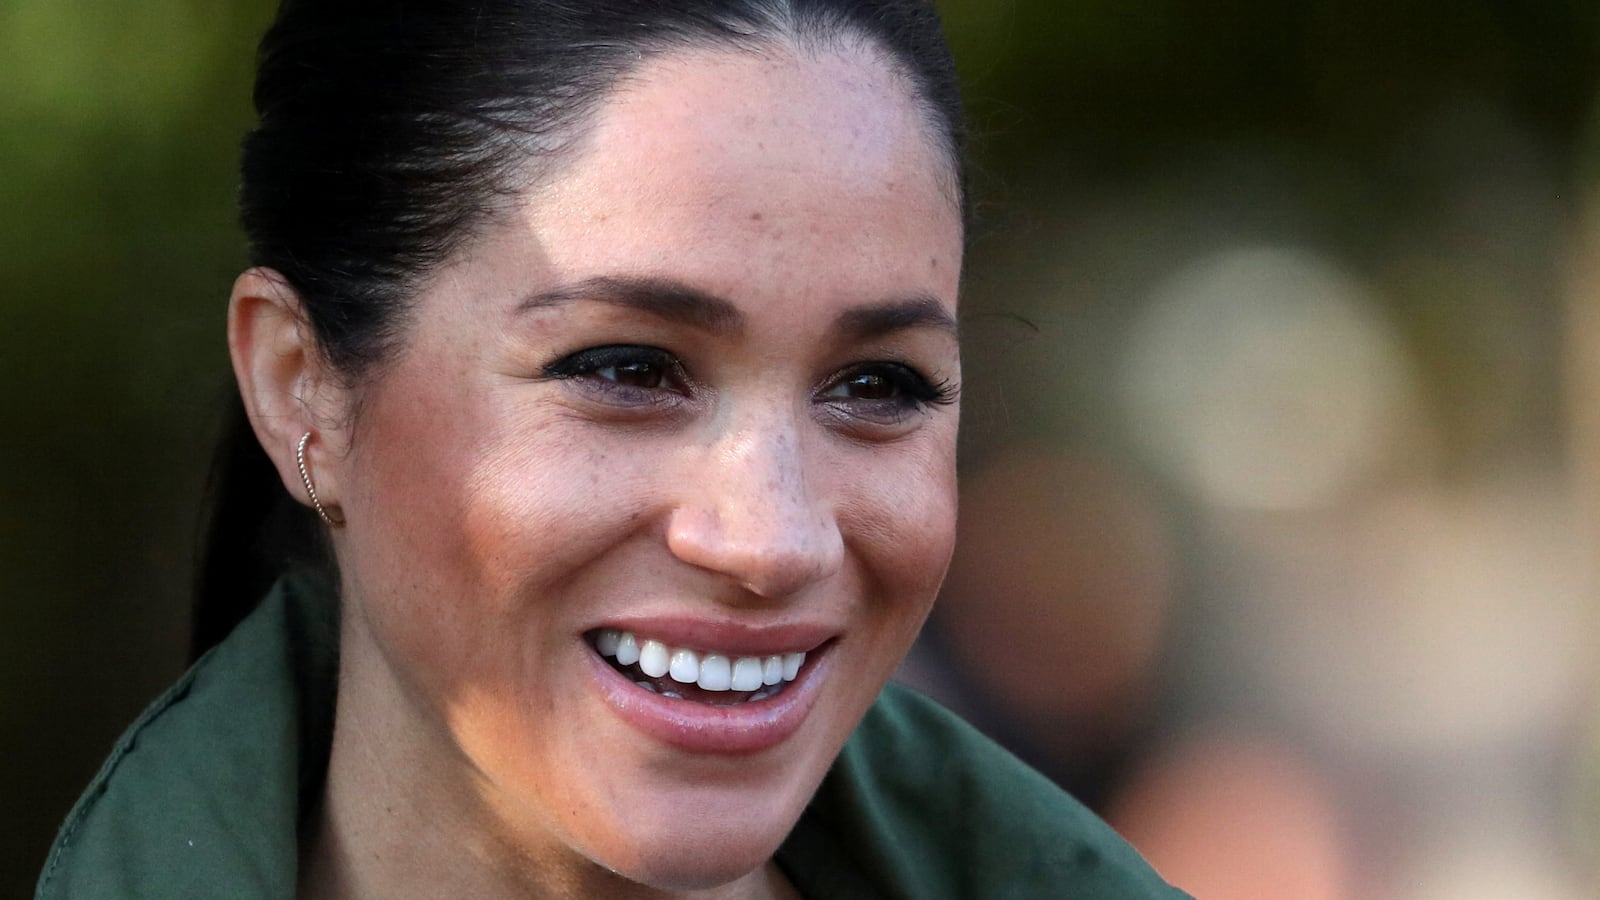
(495, 514)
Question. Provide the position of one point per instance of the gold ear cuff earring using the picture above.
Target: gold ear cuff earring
(311, 489)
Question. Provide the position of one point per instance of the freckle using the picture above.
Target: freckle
(933, 262)
(755, 217)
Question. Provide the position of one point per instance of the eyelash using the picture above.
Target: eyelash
(915, 391)
(587, 364)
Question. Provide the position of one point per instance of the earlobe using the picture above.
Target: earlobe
(334, 519)
(283, 382)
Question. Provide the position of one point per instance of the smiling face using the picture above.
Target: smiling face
(693, 394)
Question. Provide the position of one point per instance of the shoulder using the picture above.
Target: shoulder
(200, 796)
(920, 804)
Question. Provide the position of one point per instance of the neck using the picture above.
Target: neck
(402, 816)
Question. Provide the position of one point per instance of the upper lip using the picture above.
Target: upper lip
(726, 636)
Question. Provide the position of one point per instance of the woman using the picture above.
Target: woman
(614, 345)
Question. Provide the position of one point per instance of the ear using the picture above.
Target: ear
(285, 383)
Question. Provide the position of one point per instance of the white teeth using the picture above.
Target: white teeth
(653, 658)
(715, 673)
(627, 649)
(746, 674)
(712, 672)
(685, 666)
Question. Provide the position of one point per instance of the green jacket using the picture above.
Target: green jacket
(202, 797)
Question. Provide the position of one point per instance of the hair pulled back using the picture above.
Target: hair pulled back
(389, 129)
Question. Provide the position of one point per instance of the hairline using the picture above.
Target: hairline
(540, 159)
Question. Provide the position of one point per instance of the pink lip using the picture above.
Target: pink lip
(733, 638)
(698, 728)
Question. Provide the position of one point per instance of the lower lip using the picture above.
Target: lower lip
(749, 727)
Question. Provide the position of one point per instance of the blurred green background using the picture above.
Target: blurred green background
(1272, 299)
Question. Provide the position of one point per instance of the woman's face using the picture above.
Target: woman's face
(697, 388)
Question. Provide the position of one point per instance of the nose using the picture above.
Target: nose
(751, 515)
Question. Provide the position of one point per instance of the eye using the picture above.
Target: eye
(865, 386)
(639, 374)
(623, 373)
(884, 391)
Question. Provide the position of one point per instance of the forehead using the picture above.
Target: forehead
(841, 108)
(722, 166)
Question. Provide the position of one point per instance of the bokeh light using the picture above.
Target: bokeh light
(1263, 378)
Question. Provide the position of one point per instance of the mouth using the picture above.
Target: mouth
(707, 677)
(712, 689)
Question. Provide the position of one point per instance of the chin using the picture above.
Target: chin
(705, 825)
(697, 858)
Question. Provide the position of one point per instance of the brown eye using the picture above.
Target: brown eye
(623, 373)
(886, 383)
(634, 374)
(883, 393)
(866, 386)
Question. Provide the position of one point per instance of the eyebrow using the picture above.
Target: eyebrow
(677, 302)
(663, 298)
(876, 320)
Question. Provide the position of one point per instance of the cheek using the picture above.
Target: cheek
(405, 514)
(464, 535)
(902, 519)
